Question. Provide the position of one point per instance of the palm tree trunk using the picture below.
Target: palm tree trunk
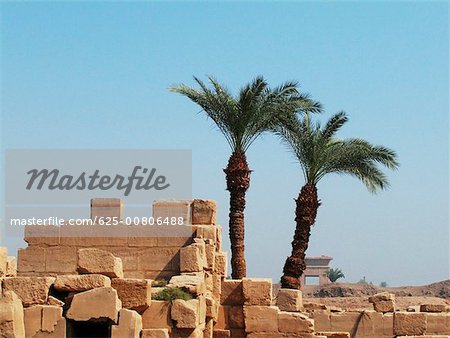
(238, 181)
(307, 204)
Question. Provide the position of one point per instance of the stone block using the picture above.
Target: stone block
(157, 315)
(54, 301)
(60, 259)
(289, 300)
(99, 261)
(31, 259)
(11, 266)
(206, 232)
(384, 306)
(322, 321)
(135, 294)
(173, 208)
(212, 308)
(185, 313)
(3, 261)
(79, 283)
(261, 319)
(155, 333)
(438, 323)
(236, 317)
(106, 208)
(43, 235)
(11, 316)
(93, 235)
(191, 259)
(165, 258)
(130, 325)
(209, 328)
(210, 251)
(217, 287)
(32, 320)
(388, 324)
(203, 211)
(193, 282)
(220, 263)
(291, 322)
(383, 296)
(257, 291)
(344, 322)
(433, 308)
(31, 290)
(96, 304)
(231, 292)
(222, 317)
(410, 323)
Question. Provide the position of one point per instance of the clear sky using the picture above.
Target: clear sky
(95, 75)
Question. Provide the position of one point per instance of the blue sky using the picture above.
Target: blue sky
(95, 75)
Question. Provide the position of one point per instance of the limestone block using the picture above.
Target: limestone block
(191, 259)
(185, 313)
(220, 263)
(202, 309)
(206, 232)
(344, 322)
(210, 251)
(209, 329)
(432, 308)
(61, 259)
(383, 296)
(203, 211)
(31, 259)
(257, 291)
(157, 315)
(44, 320)
(322, 321)
(54, 301)
(51, 315)
(11, 316)
(291, 322)
(193, 282)
(261, 319)
(95, 304)
(217, 287)
(384, 306)
(106, 207)
(80, 282)
(231, 292)
(32, 320)
(438, 323)
(130, 325)
(289, 300)
(222, 317)
(135, 294)
(410, 323)
(212, 308)
(99, 261)
(236, 317)
(31, 290)
(59, 331)
(11, 266)
(173, 208)
(43, 235)
(155, 333)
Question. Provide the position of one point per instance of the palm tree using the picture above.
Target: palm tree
(319, 153)
(334, 274)
(241, 119)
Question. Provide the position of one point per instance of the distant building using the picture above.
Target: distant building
(316, 269)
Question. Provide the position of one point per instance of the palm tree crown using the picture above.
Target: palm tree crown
(320, 153)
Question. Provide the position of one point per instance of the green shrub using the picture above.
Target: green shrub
(159, 283)
(170, 294)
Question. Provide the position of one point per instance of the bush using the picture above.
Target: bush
(159, 283)
(170, 294)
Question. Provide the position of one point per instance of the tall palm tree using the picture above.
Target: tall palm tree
(319, 153)
(241, 119)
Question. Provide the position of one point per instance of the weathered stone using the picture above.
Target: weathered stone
(212, 308)
(59, 331)
(231, 292)
(80, 282)
(173, 208)
(130, 325)
(191, 259)
(155, 333)
(236, 317)
(186, 313)
(210, 251)
(438, 323)
(289, 300)
(201, 309)
(102, 208)
(99, 261)
(31, 290)
(203, 211)
(187, 333)
(135, 294)
(406, 323)
(11, 266)
(217, 287)
(157, 315)
(432, 308)
(43, 320)
(11, 316)
(31, 259)
(193, 282)
(344, 322)
(222, 317)
(61, 260)
(50, 317)
(54, 301)
(220, 263)
(289, 322)
(32, 320)
(384, 306)
(257, 291)
(322, 321)
(43, 235)
(96, 304)
(383, 296)
(261, 319)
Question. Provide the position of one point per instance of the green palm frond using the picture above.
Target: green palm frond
(320, 153)
(256, 109)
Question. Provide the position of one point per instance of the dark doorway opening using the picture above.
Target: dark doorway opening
(89, 329)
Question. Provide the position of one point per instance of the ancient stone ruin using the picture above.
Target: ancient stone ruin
(67, 284)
